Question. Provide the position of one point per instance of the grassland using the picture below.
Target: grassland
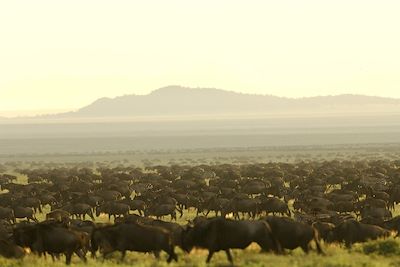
(336, 256)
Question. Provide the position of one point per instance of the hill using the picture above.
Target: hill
(177, 100)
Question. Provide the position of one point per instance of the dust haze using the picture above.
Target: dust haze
(176, 117)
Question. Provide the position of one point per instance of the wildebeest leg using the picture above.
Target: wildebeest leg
(305, 248)
(123, 255)
(105, 254)
(288, 212)
(171, 253)
(348, 244)
(229, 256)
(170, 257)
(180, 209)
(91, 215)
(318, 245)
(68, 256)
(156, 254)
(81, 255)
(53, 256)
(210, 254)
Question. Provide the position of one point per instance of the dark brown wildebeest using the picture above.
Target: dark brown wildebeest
(51, 238)
(274, 205)
(343, 206)
(9, 250)
(249, 206)
(373, 220)
(31, 202)
(109, 195)
(323, 228)
(79, 210)
(132, 237)
(161, 210)
(393, 224)
(58, 215)
(7, 214)
(24, 212)
(218, 234)
(216, 204)
(371, 202)
(5, 229)
(292, 234)
(175, 229)
(352, 231)
(383, 213)
(135, 204)
(113, 209)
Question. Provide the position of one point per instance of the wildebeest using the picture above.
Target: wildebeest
(274, 205)
(216, 234)
(352, 231)
(51, 238)
(80, 210)
(113, 209)
(323, 228)
(369, 211)
(393, 224)
(161, 210)
(24, 212)
(58, 215)
(7, 214)
(9, 250)
(175, 229)
(292, 234)
(133, 237)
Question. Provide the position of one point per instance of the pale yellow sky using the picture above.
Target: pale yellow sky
(58, 55)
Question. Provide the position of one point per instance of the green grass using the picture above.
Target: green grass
(336, 257)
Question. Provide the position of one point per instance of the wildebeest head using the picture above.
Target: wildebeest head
(102, 209)
(188, 236)
(10, 250)
(194, 235)
(340, 232)
(25, 236)
(102, 239)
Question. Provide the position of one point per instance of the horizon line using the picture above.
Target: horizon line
(49, 111)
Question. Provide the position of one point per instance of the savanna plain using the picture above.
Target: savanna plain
(207, 164)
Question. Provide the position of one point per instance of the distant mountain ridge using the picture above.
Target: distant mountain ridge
(177, 100)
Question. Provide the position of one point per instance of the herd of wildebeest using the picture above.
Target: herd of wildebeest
(279, 206)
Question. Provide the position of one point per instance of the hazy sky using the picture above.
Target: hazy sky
(57, 55)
